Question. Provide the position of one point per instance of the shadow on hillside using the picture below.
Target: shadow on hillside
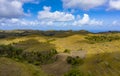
(105, 64)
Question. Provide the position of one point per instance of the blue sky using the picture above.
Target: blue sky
(92, 15)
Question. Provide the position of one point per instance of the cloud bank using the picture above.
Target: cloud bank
(54, 16)
(89, 4)
(12, 13)
(57, 18)
(114, 4)
(10, 8)
(84, 4)
(13, 8)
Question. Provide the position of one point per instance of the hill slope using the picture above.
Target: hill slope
(102, 53)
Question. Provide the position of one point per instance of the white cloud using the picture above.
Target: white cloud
(10, 8)
(47, 15)
(46, 23)
(26, 1)
(114, 4)
(63, 19)
(17, 22)
(48, 18)
(31, 1)
(87, 21)
(116, 23)
(23, 22)
(84, 4)
(13, 8)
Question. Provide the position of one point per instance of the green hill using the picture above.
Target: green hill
(9, 67)
(45, 53)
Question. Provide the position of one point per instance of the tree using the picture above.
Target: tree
(74, 60)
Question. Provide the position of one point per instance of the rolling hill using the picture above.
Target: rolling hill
(101, 53)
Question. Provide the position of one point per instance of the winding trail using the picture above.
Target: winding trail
(60, 67)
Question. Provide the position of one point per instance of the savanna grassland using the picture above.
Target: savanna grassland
(59, 53)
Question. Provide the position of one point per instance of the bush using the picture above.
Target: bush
(74, 60)
(10, 51)
(103, 38)
(35, 58)
(67, 51)
(74, 73)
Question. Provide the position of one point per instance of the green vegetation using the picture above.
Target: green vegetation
(10, 67)
(74, 60)
(62, 33)
(28, 53)
(34, 45)
(74, 72)
(49, 33)
(67, 51)
(36, 58)
(10, 51)
(103, 38)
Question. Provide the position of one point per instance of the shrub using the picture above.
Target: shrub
(74, 73)
(103, 38)
(10, 51)
(74, 60)
(35, 58)
(67, 51)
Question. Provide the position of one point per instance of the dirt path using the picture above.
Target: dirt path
(81, 54)
(61, 66)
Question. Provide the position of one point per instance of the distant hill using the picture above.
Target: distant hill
(110, 32)
(50, 33)
(60, 33)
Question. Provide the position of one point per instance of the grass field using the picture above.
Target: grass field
(102, 54)
(9, 67)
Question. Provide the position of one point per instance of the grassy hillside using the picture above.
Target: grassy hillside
(9, 67)
(34, 45)
(100, 52)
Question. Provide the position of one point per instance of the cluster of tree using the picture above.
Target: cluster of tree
(10, 51)
(74, 60)
(36, 58)
(109, 32)
(103, 38)
(8, 35)
(2, 36)
(17, 33)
